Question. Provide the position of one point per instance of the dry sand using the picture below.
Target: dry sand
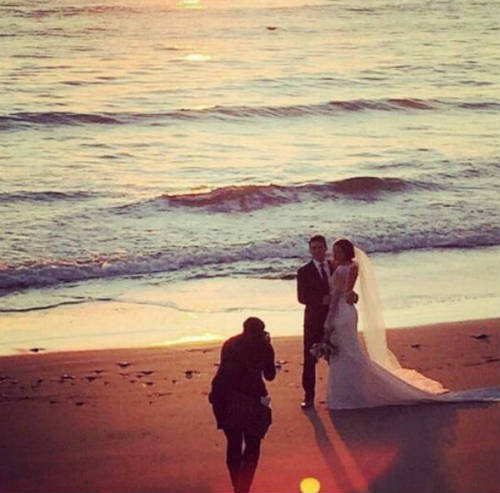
(79, 421)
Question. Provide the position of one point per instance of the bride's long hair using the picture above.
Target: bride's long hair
(346, 246)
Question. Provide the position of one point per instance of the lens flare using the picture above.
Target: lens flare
(309, 485)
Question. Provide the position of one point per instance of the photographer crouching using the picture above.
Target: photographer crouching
(240, 400)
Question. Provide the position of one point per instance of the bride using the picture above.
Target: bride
(360, 378)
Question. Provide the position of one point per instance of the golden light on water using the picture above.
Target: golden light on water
(189, 4)
(200, 339)
(197, 57)
(310, 485)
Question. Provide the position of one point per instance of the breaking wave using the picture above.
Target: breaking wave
(253, 197)
(331, 108)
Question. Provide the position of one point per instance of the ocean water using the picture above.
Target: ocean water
(157, 143)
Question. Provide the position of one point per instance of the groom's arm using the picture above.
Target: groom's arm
(303, 290)
(304, 294)
(351, 297)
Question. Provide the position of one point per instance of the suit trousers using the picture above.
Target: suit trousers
(311, 336)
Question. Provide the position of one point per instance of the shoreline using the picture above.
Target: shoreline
(138, 419)
(416, 288)
(410, 331)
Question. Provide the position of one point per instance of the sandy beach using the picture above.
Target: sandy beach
(139, 420)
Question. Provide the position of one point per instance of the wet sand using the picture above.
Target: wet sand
(138, 420)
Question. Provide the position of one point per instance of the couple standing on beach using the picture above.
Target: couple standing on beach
(359, 376)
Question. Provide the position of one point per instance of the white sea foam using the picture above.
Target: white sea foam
(416, 287)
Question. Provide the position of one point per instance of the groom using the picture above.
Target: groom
(313, 292)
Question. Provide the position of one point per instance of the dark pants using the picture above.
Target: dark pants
(309, 371)
(241, 464)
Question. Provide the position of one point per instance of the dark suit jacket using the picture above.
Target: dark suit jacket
(310, 291)
(244, 360)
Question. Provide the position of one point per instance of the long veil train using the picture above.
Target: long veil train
(371, 312)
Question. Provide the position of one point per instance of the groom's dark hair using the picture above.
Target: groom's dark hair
(318, 238)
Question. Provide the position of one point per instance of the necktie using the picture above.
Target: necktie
(324, 275)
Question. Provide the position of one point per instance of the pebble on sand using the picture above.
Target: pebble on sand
(481, 336)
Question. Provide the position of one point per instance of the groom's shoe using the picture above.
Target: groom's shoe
(307, 403)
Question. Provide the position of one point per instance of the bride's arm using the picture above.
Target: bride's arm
(352, 275)
(332, 309)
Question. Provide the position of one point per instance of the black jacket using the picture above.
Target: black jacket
(311, 289)
(244, 360)
(238, 385)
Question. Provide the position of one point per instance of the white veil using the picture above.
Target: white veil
(372, 315)
(372, 318)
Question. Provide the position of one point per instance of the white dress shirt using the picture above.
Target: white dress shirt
(326, 266)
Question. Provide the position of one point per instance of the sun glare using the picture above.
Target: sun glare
(310, 485)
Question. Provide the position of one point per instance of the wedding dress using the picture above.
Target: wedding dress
(370, 377)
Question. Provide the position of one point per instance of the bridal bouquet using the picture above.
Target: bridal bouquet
(324, 350)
